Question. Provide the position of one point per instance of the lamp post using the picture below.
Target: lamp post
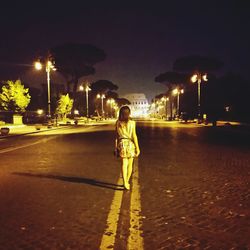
(152, 108)
(116, 109)
(198, 77)
(165, 99)
(111, 101)
(178, 92)
(49, 66)
(102, 97)
(87, 89)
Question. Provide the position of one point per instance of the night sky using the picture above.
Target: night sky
(141, 40)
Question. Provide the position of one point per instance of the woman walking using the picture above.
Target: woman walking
(126, 143)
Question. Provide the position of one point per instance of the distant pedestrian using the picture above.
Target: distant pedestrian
(126, 143)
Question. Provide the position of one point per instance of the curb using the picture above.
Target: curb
(33, 132)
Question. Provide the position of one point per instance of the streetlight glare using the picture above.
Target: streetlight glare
(81, 88)
(39, 111)
(204, 77)
(49, 63)
(38, 65)
(112, 104)
(175, 92)
(87, 88)
(110, 100)
(194, 78)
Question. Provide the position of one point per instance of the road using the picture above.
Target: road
(62, 190)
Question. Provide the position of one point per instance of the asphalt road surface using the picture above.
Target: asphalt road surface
(62, 190)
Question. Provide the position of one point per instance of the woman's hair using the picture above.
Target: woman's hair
(124, 114)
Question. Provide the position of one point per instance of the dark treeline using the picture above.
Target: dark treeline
(222, 97)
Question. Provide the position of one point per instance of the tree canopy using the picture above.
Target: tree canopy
(122, 101)
(171, 77)
(75, 60)
(103, 86)
(14, 97)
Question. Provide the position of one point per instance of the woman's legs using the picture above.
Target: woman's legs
(125, 172)
(130, 168)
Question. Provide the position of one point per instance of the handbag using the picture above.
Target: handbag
(116, 151)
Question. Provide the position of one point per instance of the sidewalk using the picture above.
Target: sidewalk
(194, 122)
(17, 130)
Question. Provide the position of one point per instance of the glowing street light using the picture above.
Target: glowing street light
(38, 66)
(39, 111)
(153, 108)
(198, 77)
(111, 102)
(49, 66)
(177, 92)
(76, 112)
(165, 99)
(86, 89)
(101, 97)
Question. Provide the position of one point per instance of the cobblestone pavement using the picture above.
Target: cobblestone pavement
(194, 189)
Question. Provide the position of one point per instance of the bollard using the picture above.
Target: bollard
(4, 131)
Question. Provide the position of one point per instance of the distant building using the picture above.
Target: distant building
(139, 105)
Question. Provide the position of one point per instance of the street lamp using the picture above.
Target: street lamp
(111, 102)
(165, 99)
(116, 109)
(102, 97)
(87, 89)
(198, 77)
(39, 111)
(153, 105)
(49, 66)
(177, 92)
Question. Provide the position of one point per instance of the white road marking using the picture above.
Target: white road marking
(135, 240)
(108, 238)
(6, 150)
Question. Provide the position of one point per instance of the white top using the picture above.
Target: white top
(125, 130)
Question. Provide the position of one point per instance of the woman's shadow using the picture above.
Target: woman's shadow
(73, 179)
